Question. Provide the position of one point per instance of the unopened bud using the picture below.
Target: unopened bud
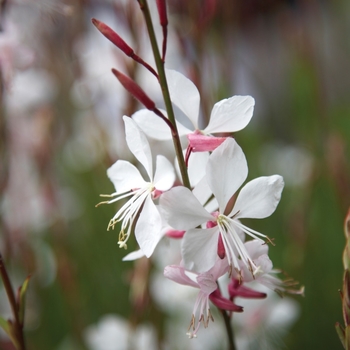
(221, 248)
(111, 35)
(163, 18)
(134, 89)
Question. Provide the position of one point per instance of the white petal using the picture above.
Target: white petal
(182, 210)
(184, 94)
(154, 126)
(125, 176)
(199, 249)
(230, 115)
(148, 230)
(196, 166)
(226, 171)
(137, 254)
(138, 145)
(202, 192)
(259, 198)
(165, 174)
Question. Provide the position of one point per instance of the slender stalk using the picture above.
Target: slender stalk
(165, 91)
(229, 330)
(13, 303)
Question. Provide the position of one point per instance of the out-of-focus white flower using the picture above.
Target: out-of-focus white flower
(113, 332)
(263, 323)
(226, 171)
(293, 162)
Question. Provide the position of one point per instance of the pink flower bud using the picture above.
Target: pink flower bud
(222, 303)
(113, 37)
(134, 89)
(236, 289)
(163, 18)
(221, 248)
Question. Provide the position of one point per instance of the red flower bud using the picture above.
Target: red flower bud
(134, 89)
(113, 37)
(163, 18)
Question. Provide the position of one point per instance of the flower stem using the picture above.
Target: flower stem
(165, 91)
(14, 306)
(229, 330)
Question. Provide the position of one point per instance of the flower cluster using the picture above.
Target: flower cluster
(204, 206)
(207, 217)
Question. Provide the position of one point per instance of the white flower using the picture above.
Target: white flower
(228, 115)
(129, 182)
(226, 171)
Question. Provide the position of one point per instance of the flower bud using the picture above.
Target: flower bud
(134, 89)
(113, 37)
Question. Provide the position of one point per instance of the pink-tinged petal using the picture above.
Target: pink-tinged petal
(224, 304)
(198, 249)
(164, 177)
(206, 283)
(138, 145)
(137, 254)
(226, 171)
(148, 230)
(154, 126)
(182, 210)
(256, 248)
(203, 143)
(184, 94)
(259, 198)
(237, 289)
(220, 268)
(125, 176)
(176, 234)
(230, 115)
(177, 274)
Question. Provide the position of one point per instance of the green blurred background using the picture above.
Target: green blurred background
(61, 129)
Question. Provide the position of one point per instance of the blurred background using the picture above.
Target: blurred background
(61, 128)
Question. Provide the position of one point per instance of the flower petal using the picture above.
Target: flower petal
(125, 176)
(203, 143)
(177, 274)
(165, 174)
(199, 247)
(138, 145)
(256, 248)
(148, 230)
(184, 94)
(137, 254)
(230, 115)
(196, 167)
(226, 170)
(259, 198)
(182, 210)
(153, 126)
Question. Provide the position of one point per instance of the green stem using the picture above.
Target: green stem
(229, 330)
(165, 91)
